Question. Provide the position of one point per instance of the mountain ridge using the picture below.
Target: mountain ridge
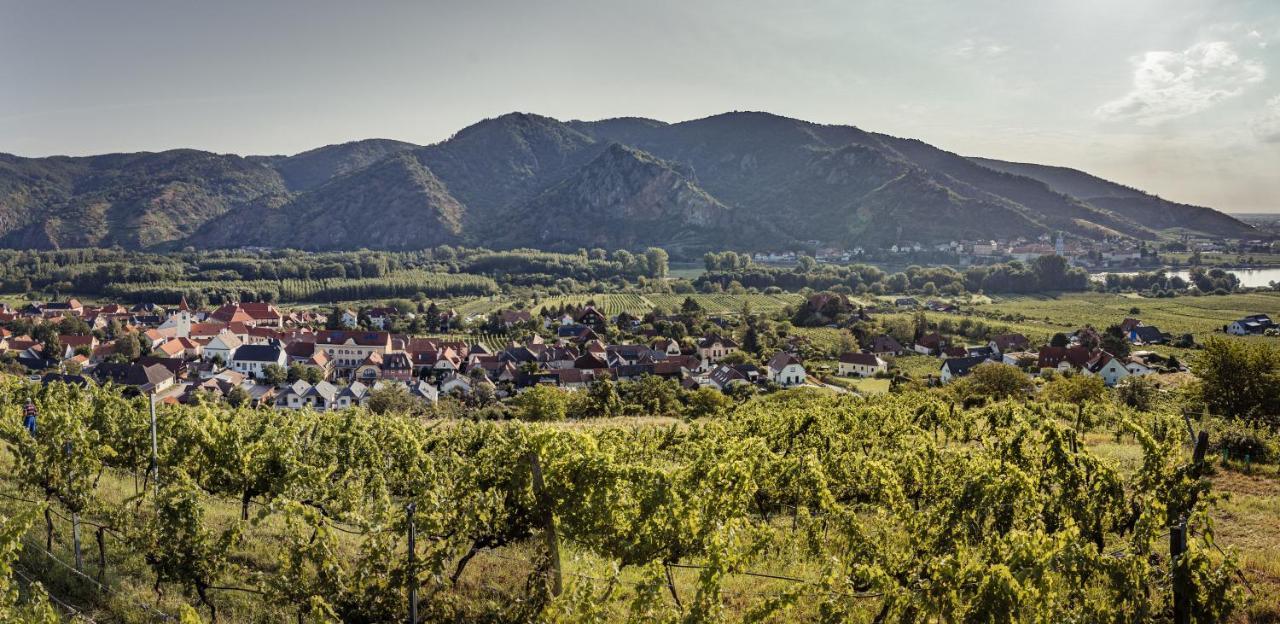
(743, 180)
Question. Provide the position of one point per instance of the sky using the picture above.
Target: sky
(1177, 97)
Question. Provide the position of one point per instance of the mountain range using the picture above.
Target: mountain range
(742, 180)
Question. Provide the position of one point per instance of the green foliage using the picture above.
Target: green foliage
(542, 403)
(897, 505)
(1240, 379)
(1074, 389)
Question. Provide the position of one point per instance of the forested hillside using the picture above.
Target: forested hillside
(752, 181)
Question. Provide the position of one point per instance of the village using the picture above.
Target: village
(1088, 254)
(263, 356)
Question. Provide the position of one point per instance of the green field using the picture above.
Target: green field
(1047, 314)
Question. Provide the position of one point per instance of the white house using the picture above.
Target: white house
(1252, 324)
(785, 370)
(222, 346)
(350, 319)
(252, 360)
(860, 365)
(1110, 369)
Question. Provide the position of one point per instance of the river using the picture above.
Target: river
(1250, 278)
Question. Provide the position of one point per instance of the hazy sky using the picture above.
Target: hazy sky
(1178, 97)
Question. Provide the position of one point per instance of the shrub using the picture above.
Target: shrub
(1239, 440)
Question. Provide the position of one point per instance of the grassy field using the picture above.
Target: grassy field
(862, 386)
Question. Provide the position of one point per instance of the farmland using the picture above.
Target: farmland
(717, 304)
(1047, 314)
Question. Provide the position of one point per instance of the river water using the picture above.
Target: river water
(1251, 278)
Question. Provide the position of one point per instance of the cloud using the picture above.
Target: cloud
(979, 48)
(1169, 85)
(1266, 126)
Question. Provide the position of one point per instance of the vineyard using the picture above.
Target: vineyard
(797, 506)
(402, 284)
(1044, 315)
(638, 305)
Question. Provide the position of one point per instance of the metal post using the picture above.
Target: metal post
(75, 537)
(155, 453)
(413, 567)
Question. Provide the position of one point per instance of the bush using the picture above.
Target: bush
(1137, 392)
(1074, 389)
(1240, 440)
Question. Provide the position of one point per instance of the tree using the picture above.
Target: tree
(128, 347)
(237, 397)
(274, 374)
(1240, 379)
(1115, 342)
(998, 381)
(391, 399)
(312, 375)
(1076, 389)
(542, 403)
(706, 402)
(657, 259)
(603, 400)
(1059, 340)
(1136, 391)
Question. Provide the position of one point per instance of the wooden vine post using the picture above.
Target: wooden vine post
(548, 524)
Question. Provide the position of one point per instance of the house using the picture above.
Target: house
(71, 343)
(942, 306)
(349, 349)
(146, 379)
(930, 344)
(231, 313)
(860, 365)
(321, 397)
(985, 351)
(354, 394)
(1064, 359)
(959, 367)
(906, 302)
(252, 360)
(714, 347)
(726, 376)
(786, 370)
(395, 365)
(1021, 359)
(349, 319)
(1110, 368)
(1003, 343)
(668, 346)
(380, 317)
(306, 354)
(511, 318)
(1252, 324)
(222, 347)
(455, 384)
(180, 348)
(886, 346)
(1147, 334)
(592, 318)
